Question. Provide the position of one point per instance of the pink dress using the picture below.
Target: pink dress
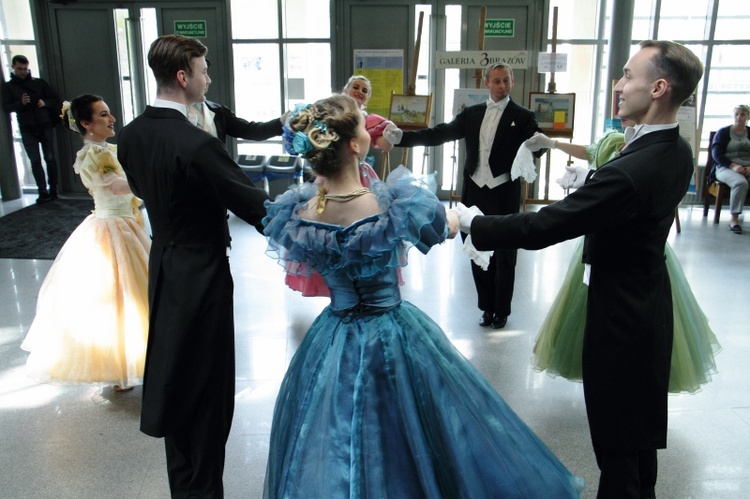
(375, 125)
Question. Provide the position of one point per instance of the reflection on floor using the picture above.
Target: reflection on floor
(83, 442)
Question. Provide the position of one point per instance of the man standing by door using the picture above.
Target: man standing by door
(187, 181)
(37, 109)
(493, 132)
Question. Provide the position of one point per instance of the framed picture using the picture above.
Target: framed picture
(410, 111)
(465, 97)
(554, 112)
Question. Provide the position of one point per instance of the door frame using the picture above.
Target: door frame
(51, 50)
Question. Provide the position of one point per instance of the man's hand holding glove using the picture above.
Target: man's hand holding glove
(575, 177)
(392, 133)
(540, 141)
(465, 216)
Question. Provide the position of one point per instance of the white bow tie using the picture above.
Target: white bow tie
(496, 105)
(629, 133)
(192, 115)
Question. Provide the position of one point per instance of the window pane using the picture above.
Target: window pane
(29, 51)
(15, 21)
(256, 81)
(577, 19)
(307, 19)
(265, 148)
(305, 81)
(728, 85)
(123, 63)
(681, 20)
(149, 33)
(254, 20)
(643, 20)
(732, 20)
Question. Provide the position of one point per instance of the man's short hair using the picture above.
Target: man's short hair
(678, 65)
(492, 67)
(171, 53)
(19, 58)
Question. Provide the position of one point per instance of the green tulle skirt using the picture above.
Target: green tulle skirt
(559, 343)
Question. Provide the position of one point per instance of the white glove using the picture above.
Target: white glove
(465, 216)
(575, 177)
(392, 133)
(481, 258)
(540, 141)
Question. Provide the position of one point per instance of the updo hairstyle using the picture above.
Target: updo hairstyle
(329, 125)
(81, 108)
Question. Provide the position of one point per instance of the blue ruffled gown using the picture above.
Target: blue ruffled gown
(376, 401)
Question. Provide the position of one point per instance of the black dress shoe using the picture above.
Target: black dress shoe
(44, 197)
(486, 320)
(499, 322)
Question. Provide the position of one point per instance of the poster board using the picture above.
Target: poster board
(687, 117)
(385, 70)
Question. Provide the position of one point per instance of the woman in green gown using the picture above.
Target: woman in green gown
(559, 342)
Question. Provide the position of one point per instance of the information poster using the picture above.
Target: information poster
(687, 120)
(385, 70)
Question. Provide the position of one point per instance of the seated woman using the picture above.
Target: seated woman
(731, 153)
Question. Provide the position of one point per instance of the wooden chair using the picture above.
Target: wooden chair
(712, 187)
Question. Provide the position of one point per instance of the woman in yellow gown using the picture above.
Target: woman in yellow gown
(91, 323)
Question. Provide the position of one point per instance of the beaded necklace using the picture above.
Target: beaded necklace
(341, 198)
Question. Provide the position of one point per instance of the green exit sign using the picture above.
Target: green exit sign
(195, 29)
(499, 27)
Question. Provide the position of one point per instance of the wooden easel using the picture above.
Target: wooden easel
(411, 89)
(551, 89)
(478, 84)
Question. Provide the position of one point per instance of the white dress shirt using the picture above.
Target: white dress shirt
(483, 174)
(634, 133)
(173, 105)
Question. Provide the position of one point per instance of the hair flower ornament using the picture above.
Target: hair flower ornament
(301, 144)
(295, 143)
(67, 116)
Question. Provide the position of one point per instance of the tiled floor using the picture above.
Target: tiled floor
(83, 442)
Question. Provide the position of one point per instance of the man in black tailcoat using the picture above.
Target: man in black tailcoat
(625, 209)
(493, 132)
(187, 181)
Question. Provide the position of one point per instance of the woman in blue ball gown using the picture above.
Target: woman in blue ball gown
(376, 401)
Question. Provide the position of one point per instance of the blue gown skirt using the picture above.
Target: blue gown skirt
(382, 405)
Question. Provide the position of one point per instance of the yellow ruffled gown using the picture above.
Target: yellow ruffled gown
(91, 324)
